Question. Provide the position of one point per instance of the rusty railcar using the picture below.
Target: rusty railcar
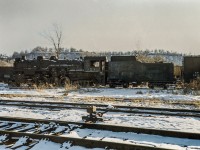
(124, 70)
(191, 68)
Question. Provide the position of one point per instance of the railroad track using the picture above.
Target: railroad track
(101, 107)
(32, 130)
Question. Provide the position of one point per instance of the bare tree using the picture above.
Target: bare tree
(54, 36)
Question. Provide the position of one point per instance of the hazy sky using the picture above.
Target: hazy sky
(102, 24)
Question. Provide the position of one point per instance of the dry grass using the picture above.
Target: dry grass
(193, 87)
(195, 84)
(15, 95)
(70, 87)
(21, 95)
(42, 86)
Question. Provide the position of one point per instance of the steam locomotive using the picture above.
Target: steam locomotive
(56, 72)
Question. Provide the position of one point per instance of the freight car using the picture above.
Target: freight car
(125, 70)
(191, 68)
(58, 72)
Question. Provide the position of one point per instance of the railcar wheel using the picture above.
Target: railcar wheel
(65, 81)
(46, 81)
(55, 81)
(35, 79)
(151, 86)
(19, 78)
(17, 84)
(112, 85)
(125, 85)
(164, 86)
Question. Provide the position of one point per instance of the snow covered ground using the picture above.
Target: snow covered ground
(48, 145)
(119, 96)
(188, 124)
(130, 93)
(134, 93)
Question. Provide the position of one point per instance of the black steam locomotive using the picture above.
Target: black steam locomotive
(121, 70)
(58, 72)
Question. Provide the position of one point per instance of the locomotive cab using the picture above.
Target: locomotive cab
(96, 64)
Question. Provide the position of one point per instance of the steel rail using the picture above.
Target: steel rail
(103, 105)
(88, 143)
(117, 108)
(113, 128)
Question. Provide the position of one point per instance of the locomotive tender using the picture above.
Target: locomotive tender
(121, 70)
(124, 70)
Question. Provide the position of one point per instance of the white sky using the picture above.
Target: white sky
(102, 25)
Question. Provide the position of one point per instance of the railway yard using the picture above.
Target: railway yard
(133, 118)
(100, 75)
